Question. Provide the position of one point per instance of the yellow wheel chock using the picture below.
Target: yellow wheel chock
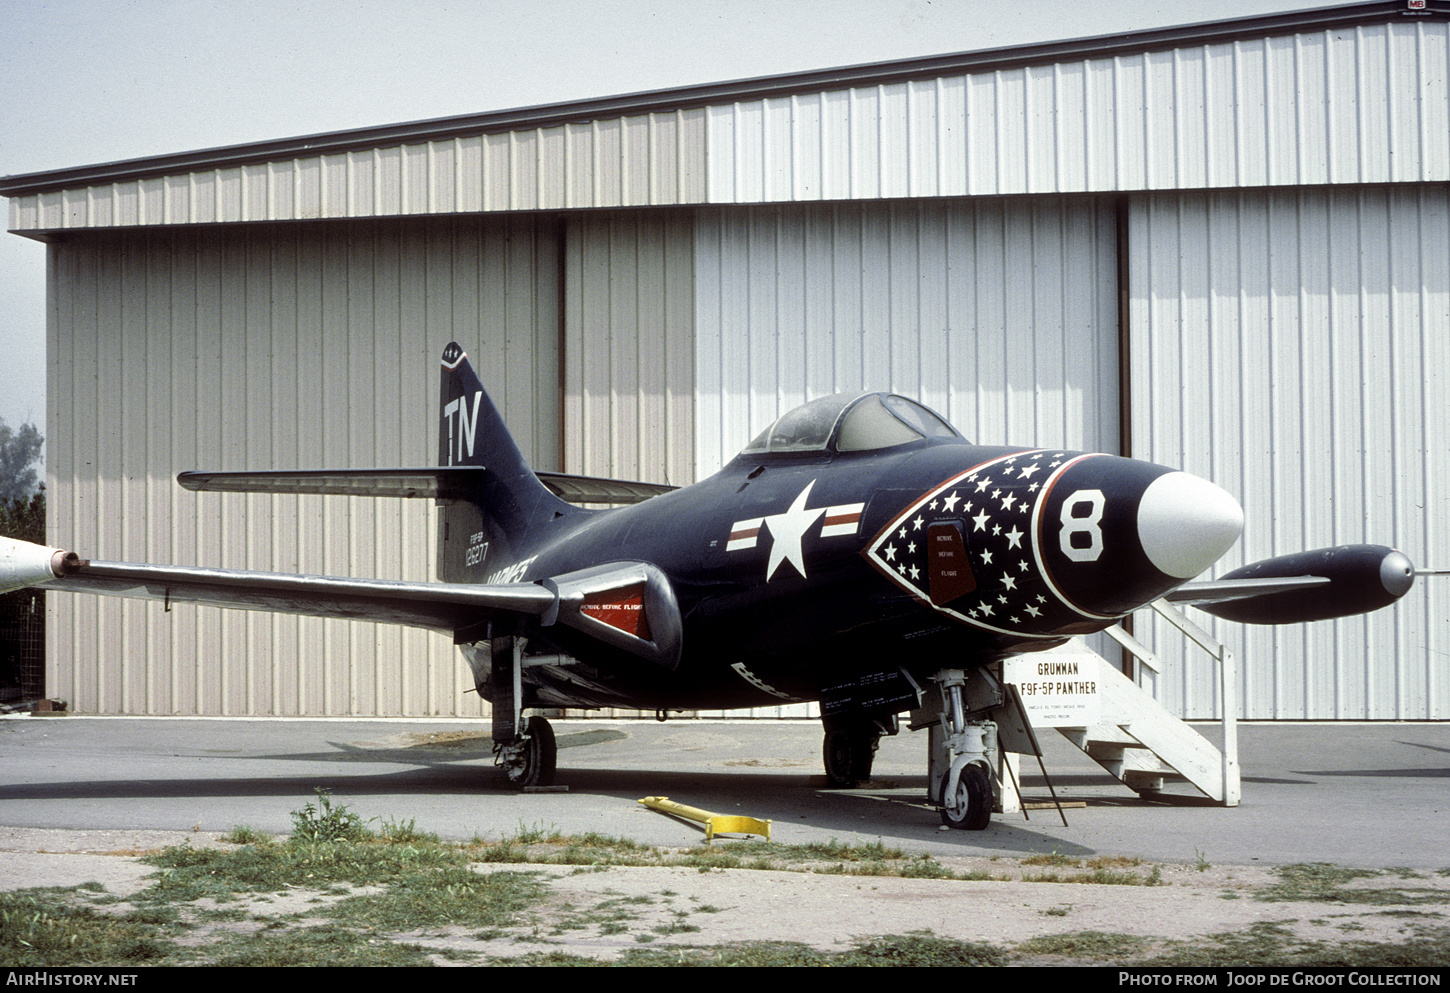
(714, 823)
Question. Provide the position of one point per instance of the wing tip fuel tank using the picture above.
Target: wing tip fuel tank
(1361, 578)
(25, 564)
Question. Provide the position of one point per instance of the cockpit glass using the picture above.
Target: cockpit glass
(870, 421)
(805, 429)
(869, 425)
(918, 417)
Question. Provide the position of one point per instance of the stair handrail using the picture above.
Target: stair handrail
(1227, 684)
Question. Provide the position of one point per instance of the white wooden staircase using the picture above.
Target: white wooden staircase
(1141, 743)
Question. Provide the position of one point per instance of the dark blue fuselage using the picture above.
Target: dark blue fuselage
(794, 572)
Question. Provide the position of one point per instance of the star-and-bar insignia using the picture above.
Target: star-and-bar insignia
(842, 520)
(743, 534)
(788, 528)
(980, 564)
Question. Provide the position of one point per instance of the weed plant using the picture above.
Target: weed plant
(324, 822)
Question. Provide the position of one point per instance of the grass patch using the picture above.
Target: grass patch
(1328, 883)
(243, 835)
(1095, 945)
(921, 949)
(189, 874)
(926, 867)
(1052, 859)
(835, 851)
(443, 897)
(1273, 944)
(326, 945)
(43, 928)
(321, 821)
(405, 833)
(1102, 877)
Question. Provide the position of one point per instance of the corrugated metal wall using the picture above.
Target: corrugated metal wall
(1294, 346)
(1363, 105)
(1291, 345)
(275, 347)
(1000, 314)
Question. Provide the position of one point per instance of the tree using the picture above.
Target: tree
(24, 519)
(19, 453)
(22, 497)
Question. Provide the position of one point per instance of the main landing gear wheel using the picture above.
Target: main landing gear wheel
(967, 803)
(848, 753)
(531, 760)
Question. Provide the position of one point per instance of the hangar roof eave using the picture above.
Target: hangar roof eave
(580, 111)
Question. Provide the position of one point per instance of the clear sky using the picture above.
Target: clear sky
(89, 81)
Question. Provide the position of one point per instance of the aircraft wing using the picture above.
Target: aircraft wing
(627, 605)
(434, 482)
(438, 606)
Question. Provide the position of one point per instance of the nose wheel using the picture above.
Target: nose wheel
(967, 803)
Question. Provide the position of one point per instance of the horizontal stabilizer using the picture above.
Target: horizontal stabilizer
(437, 482)
(595, 489)
(1306, 586)
(457, 482)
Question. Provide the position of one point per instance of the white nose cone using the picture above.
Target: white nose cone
(1186, 523)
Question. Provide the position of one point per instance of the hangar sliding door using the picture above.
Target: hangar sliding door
(311, 345)
(1000, 314)
(1294, 346)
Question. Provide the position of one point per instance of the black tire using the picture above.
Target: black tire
(836, 754)
(541, 754)
(848, 753)
(967, 804)
(863, 755)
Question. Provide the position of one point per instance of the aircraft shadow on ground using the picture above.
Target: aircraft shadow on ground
(892, 808)
(1426, 773)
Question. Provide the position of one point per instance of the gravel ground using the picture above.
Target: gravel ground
(828, 912)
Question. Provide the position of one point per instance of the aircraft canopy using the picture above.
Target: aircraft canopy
(851, 422)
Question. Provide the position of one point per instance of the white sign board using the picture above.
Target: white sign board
(1058, 688)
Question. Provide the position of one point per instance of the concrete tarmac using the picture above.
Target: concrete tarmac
(1361, 795)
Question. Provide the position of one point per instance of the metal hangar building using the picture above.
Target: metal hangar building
(1224, 247)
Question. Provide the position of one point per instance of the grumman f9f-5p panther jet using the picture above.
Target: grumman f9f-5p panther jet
(857, 551)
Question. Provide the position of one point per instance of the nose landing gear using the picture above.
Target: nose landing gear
(960, 768)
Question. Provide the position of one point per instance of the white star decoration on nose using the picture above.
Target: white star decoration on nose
(990, 538)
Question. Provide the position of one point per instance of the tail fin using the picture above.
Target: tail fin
(491, 529)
